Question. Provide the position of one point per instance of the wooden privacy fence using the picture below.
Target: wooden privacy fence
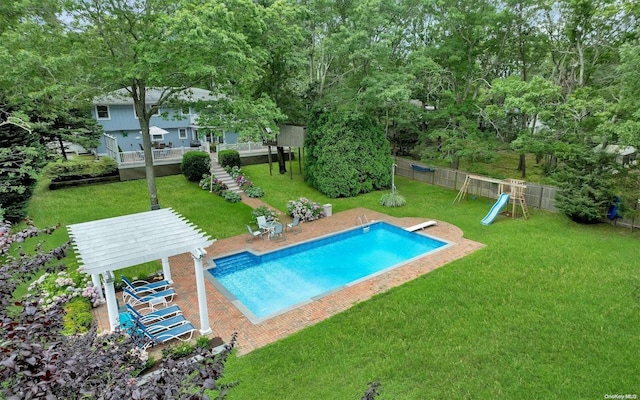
(536, 195)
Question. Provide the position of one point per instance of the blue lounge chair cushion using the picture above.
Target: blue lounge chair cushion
(173, 333)
(164, 324)
(155, 315)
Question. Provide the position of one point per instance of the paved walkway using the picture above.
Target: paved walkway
(226, 319)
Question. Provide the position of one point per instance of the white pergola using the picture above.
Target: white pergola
(110, 244)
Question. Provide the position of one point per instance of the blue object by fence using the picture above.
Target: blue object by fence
(421, 168)
(613, 209)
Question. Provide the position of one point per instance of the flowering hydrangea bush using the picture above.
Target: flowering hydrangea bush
(264, 211)
(234, 171)
(205, 182)
(91, 293)
(243, 182)
(63, 286)
(304, 208)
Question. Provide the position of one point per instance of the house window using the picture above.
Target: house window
(102, 112)
(135, 113)
(185, 110)
(157, 137)
(182, 133)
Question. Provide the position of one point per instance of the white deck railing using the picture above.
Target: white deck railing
(167, 154)
(246, 146)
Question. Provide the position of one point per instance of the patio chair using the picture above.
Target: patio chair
(278, 232)
(154, 315)
(145, 286)
(262, 222)
(158, 335)
(253, 234)
(294, 224)
(150, 299)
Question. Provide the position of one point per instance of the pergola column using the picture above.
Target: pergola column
(166, 269)
(95, 279)
(112, 303)
(198, 255)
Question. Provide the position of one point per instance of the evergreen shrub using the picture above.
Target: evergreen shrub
(80, 169)
(586, 183)
(229, 158)
(347, 154)
(195, 164)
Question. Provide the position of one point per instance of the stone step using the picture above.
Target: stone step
(224, 177)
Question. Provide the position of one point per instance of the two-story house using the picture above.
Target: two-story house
(170, 127)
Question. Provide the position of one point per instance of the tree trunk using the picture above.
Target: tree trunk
(144, 116)
(64, 153)
(523, 165)
(282, 165)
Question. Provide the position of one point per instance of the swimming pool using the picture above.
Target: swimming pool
(265, 285)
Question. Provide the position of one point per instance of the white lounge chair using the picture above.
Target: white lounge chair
(159, 335)
(150, 299)
(154, 315)
(145, 286)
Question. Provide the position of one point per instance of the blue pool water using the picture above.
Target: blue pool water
(264, 285)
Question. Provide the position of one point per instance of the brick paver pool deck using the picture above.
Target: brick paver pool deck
(225, 318)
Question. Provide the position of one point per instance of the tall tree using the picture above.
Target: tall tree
(584, 36)
(37, 88)
(173, 45)
(516, 110)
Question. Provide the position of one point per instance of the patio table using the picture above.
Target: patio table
(271, 227)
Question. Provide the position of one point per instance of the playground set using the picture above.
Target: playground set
(509, 191)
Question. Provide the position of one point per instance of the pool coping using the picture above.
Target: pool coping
(251, 316)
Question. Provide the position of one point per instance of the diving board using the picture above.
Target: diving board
(422, 225)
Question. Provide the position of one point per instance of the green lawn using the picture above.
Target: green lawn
(549, 309)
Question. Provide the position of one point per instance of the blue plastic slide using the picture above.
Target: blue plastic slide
(495, 210)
